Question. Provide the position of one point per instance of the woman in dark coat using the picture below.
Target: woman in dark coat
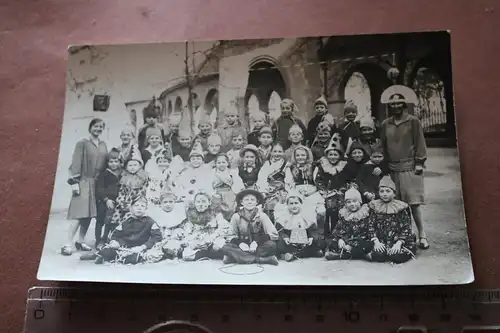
(89, 159)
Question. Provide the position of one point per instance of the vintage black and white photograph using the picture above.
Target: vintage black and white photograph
(288, 161)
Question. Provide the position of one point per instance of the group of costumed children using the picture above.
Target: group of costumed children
(284, 191)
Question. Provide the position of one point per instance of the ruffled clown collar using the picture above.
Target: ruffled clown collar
(392, 207)
(356, 216)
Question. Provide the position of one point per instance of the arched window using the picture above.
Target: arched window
(253, 107)
(431, 109)
(274, 106)
(178, 105)
(169, 107)
(358, 91)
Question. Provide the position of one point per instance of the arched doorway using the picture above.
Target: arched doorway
(431, 111)
(264, 80)
(364, 83)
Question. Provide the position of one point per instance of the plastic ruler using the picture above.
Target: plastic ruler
(128, 309)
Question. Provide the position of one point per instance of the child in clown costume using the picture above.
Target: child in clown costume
(193, 177)
(226, 183)
(159, 176)
(271, 180)
(352, 234)
(391, 232)
(133, 184)
(295, 137)
(299, 176)
(330, 178)
(296, 225)
(202, 234)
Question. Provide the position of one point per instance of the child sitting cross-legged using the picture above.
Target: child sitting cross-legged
(131, 240)
(351, 236)
(297, 228)
(255, 235)
(392, 237)
(202, 234)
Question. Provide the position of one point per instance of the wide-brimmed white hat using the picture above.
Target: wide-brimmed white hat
(399, 94)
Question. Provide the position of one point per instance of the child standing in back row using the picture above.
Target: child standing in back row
(288, 118)
(259, 120)
(349, 127)
(371, 173)
(106, 194)
(229, 128)
(266, 142)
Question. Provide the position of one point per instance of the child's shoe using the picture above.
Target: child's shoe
(88, 256)
(331, 255)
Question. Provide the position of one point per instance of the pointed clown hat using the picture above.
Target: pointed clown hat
(294, 194)
(386, 181)
(258, 115)
(214, 139)
(135, 155)
(321, 100)
(399, 94)
(335, 144)
(197, 150)
(295, 129)
(366, 121)
(353, 194)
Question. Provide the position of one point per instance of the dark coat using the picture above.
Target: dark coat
(137, 231)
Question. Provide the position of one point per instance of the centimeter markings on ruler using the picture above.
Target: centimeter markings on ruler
(438, 309)
(442, 295)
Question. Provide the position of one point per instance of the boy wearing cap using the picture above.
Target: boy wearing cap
(367, 138)
(321, 141)
(321, 108)
(406, 152)
(391, 226)
(256, 236)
